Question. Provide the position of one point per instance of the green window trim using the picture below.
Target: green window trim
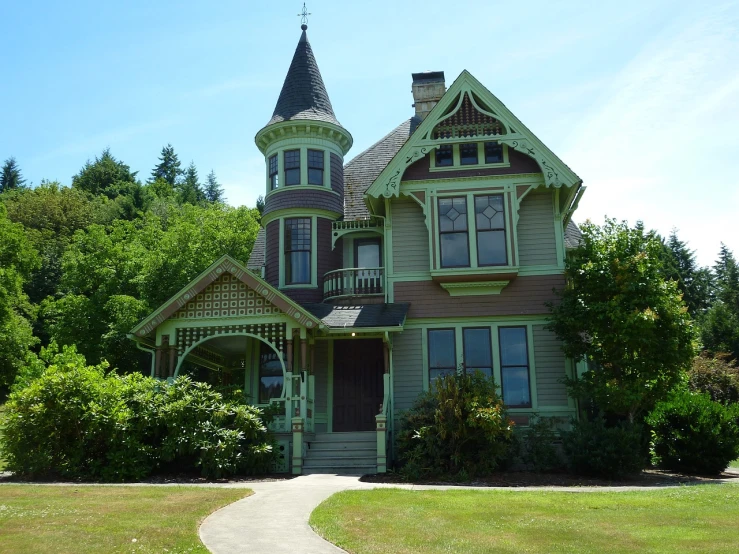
(458, 162)
(298, 232)
(283, 278)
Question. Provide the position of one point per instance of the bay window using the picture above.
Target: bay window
(453, 239)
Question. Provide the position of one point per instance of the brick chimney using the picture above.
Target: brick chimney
(428, 88)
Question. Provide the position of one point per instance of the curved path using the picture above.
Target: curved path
(274, 520)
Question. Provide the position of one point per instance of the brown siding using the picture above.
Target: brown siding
(272, 253)
(523, 296)
(410, 237)
(337, 177)
(297, 198)
(520, 163)
(550, 368)
(536, 240)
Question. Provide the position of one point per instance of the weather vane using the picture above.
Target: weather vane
(304, 17)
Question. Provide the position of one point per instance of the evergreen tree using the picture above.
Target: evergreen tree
(260, 205)
(720, 329)
(213, 189)
(11, 176)
(107, 176)
(189, 190)
(727, 278)
(168, 167)
(694, 282)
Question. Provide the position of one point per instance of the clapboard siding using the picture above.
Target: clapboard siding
(536, 240)
(407, 369)
(410, 237)
(550, 368)
(320, 371)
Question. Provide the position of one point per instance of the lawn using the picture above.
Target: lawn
(97, 519)
(735, 463)
(687, 519)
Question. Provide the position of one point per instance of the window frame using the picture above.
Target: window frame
(289, 166)
(273, 176)
(490, 346)
(503, 229)
(525, 328)
(266, 350)
(289, 250)
(318, 155)
(454, 368)
(456, 163)
(466, 231)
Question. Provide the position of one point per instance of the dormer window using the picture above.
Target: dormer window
(468, 153)
(292, 167)
(315, 167)
(273, 173)
(444, 156)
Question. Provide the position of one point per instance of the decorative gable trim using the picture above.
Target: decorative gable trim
(505, 128)
(225, 264)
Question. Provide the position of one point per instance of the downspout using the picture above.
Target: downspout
(144, 349)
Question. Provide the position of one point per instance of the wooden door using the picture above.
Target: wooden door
(358, 388)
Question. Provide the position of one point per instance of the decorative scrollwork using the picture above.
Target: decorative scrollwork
(392, 185)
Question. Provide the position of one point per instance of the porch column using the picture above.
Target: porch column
(303, 377)
(297, 426)
(381, 418)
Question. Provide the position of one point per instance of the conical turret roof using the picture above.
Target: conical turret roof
(303, 94)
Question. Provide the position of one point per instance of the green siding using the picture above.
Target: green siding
(550, 368)
(410, 237)
(407, 369)
(536, 239)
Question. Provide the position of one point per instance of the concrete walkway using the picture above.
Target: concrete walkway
(274, 520)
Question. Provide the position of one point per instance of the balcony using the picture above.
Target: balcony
(354, 282)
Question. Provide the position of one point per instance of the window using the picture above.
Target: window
(444, 156)
(490, 226)
(442, 353)
(292, 167)
(297, 242)
(315, 167)
(468, 153)
(477, 351)
(493, 153)
(514, 367)
(271, 378)
(453, 239)
(273, 178)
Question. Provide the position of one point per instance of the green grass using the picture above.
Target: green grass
(79, 520)
(687, 519)
(735, 463)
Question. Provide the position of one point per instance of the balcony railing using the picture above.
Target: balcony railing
(354, 282)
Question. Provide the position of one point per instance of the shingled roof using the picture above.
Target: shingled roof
(256, 258)
(360, 173)
(369, 315)
(303, 94)
(573, 236)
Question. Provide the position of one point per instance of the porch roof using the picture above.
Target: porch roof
(386, 316)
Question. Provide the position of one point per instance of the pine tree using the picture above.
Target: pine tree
(106, 175)
(189, 190)
(260, 204)
(168, 167)
(727, 278)
(11, 176)
(693, 281)
(213, 189)
(720, 327)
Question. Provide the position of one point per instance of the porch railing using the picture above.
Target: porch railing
(354, 282)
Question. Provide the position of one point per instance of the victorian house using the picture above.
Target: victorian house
(433, 251)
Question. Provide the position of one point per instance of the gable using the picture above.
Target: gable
(468, 111)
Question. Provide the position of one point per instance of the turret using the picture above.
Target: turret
(304, 147)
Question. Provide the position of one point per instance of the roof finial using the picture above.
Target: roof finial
(304, 18)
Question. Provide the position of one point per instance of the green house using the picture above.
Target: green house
(433, 251)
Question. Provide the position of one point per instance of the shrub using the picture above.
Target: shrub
(538, 446)
(76, 422)
(718, 376)
(595, 449)
(457, 429)
(693, 434)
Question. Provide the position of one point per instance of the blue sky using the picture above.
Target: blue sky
(641, 98)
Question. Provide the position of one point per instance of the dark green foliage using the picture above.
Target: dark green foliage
(537, 445)
(718, 376)
(624, 318)
(693, 434)
(107, 176)
(189, 190)
(168, 167)
(694, 282)
(10, 177)
(458, 429)
(260, 204)
(595, 449)
(213, 190)
(720, 326)
(76, 422)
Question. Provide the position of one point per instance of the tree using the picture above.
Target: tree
(727, 278)
(624, 318)
(107, 176)
(720, 326)
(189, 190)
(168, 167)
(11, 176)
(694, 282)
(213, 189)
(260, 204)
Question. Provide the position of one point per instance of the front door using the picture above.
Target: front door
(358, 388)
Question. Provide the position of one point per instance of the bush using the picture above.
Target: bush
(76, 422)
(612, 452)
(458, 429)
(537, 446)
(718, 376)
(693, 434)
